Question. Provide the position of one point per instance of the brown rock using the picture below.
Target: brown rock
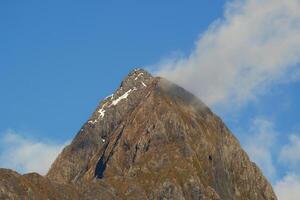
(150, 140)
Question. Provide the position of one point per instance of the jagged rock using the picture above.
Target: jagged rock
(150, 140)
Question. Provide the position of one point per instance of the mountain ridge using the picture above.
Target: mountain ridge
(154, 140)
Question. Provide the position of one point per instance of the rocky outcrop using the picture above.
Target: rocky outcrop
(151, 140)
(36, 187)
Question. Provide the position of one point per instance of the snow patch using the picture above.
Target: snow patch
(93, 121)
(110, 96)
(140, 74)
(102, 112)
(144, 84)
(137, 69)
(124, 96)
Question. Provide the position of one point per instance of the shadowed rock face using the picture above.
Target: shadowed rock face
(150, 140)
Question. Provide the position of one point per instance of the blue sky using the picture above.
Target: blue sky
(59, 58)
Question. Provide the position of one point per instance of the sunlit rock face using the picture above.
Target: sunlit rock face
(151, 139)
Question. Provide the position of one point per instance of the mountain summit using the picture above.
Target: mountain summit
(151, 139)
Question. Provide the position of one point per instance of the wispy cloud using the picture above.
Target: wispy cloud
(288, 188)
(254, 45)
(259, 144)
(27, 155)
(290, 153)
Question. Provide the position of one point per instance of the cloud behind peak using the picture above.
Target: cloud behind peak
(256, 44)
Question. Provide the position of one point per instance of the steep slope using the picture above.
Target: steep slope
(153, 140)
(95, 135)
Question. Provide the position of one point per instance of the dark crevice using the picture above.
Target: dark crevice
(135, 153)
(101, 165)
(126, 145)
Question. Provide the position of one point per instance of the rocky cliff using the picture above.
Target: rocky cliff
(151, 139)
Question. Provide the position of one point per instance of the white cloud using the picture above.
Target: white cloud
(288, 188)
(290, 153)
(26, 155)
(256, 44)
(259, 144)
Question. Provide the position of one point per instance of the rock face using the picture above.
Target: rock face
(150, 140)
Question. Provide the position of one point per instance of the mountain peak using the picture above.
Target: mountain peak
(151, 140)
(140, 70)
(130, 92)
(137, 77)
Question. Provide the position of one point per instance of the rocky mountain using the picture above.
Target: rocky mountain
(151, 139)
